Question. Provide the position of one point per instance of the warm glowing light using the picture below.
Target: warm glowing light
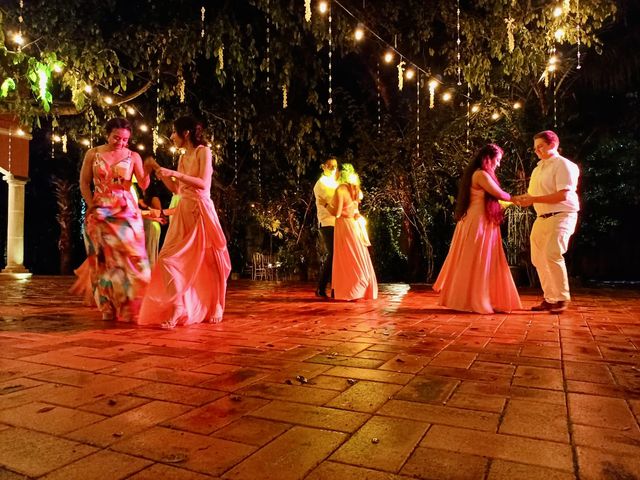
(446, 96)
(551, 68)
(173, 149)
(495, 116)
(388, 57)
(131, 110)
(108, 100)
(433, 83)
(323, 7)
(57, 138)
(475, 109)
(160, 140)
(358, 34)
(143, 128)
(553, 60)
(557, 11)
(18, 38)
(20, 132)
(253, 205)
(218, 146)
(410, 73)
(517, 105)
(140, 147)
(57, 68)
(88, 88)
(559, 34)
(85, 142)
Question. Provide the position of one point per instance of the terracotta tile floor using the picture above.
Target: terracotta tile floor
(292, 387)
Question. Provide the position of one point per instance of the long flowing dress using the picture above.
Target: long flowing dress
(475, 276)
(189, 280)
(116, 245)
(353, 276)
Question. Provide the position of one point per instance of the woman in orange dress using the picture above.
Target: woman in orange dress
(189, 281)
(475, 276)
(352, 275)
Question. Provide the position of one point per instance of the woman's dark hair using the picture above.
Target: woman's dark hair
(193, 127)
(482, 161)
(117, 122)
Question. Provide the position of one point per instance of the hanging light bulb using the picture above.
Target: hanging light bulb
(388, 57)
(57, 68)
(85, 142)
(557, 11)
(559, 34)
(358, 34)
(409, 73)
(140, 147)
(323, 7)
(18, 39)
(173, 149)
(143, 127)
(20, 132)
(108, 100)
(517, 105)
(495, 116)
(551, 68)
(57, 138)
(475, 109)
(131, 110)
(553, 60)
(88, 89)
(160, 141)
(446, 96)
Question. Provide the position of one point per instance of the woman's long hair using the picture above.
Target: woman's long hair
(483, 160)
(189, 124)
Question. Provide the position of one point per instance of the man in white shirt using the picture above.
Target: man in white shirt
(552, 191)
(323, 190)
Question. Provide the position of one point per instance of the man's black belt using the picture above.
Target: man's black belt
(547, 215)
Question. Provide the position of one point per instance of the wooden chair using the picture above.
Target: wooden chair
(258, 267)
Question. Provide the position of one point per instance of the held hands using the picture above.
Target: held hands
(524, 200)
(150, 164)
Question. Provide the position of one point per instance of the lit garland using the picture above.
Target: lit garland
(181, 84)
(268, 52)
(284, 96)
(418, 118)
(330, 100)
(579, 66)
(64, 140)
(400, 68)
(511, 43)
(235, 132)
(433, 83)
(378, 97)
(307, 10)
(221, 57)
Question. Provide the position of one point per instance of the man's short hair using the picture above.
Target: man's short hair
(549, 137)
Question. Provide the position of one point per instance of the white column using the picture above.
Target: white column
(15, 228)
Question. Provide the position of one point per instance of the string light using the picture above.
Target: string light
(131, 110)
(108, 100)
(511, 42)
(18, 38)
(284, 96)
(143, 127)
(358, 34)
(202, 15)
(557, 11)
(475, 109)
(378, 97)
(330, 100)
(323, 7)
(88, 89)
(559, 34)
(446, 96)
(517, 105)
(410, 73)
(140, 147)
(495, 116)
(458, 68)
(400, 68)
(235, 132)
(418, 119)
(468, 113)
(388, 57)
(64, 139)
(579, 66)
(268, 50)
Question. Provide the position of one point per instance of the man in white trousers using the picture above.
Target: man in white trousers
(552, 192)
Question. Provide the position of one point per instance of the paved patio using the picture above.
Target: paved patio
(291, 387)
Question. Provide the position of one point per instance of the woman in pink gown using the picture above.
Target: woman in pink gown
(475, 276)
(352, 275)
(189, 281)
(116, 256)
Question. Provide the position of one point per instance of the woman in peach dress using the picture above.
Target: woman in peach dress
(189, 281)
(352, 276)
(475, 276)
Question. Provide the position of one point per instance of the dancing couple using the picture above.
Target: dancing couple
(347, 264)
(475, 276)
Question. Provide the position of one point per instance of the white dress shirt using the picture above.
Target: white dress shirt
(324, 190)
(552, 175)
